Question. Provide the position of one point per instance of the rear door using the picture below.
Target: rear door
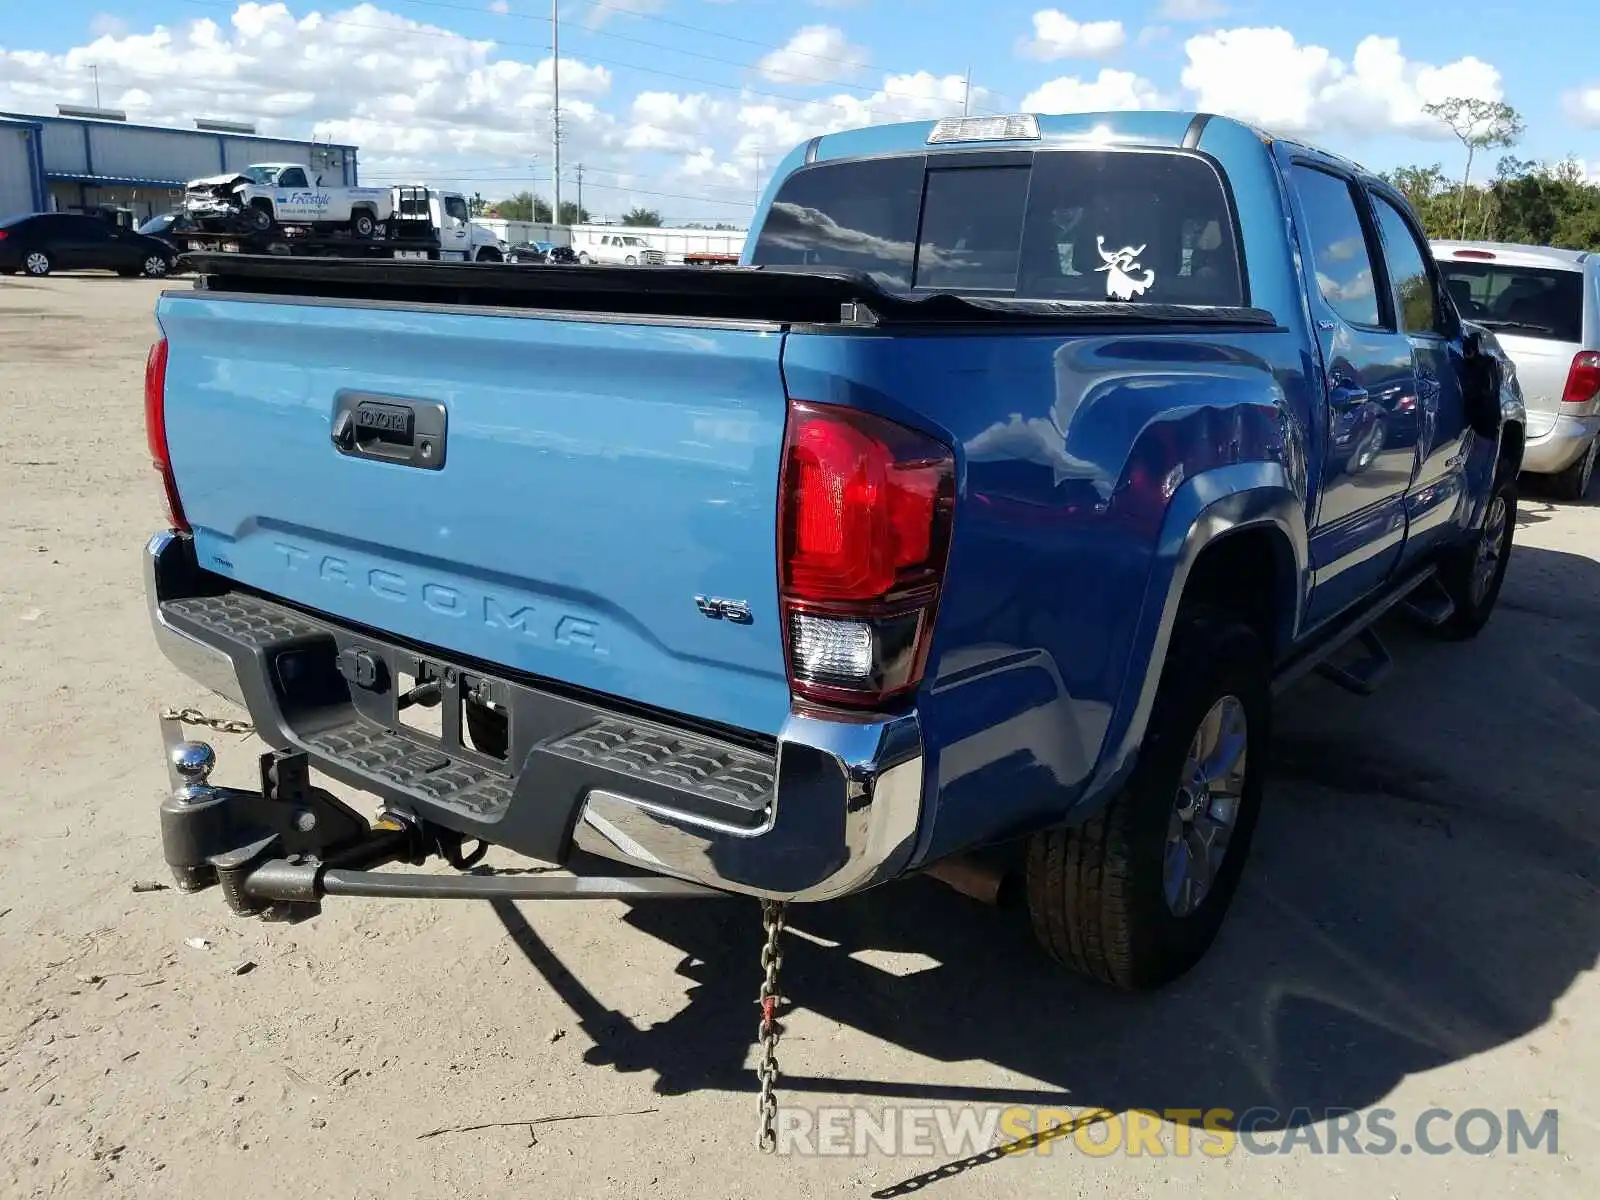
(1370, 376)
(1416, 290)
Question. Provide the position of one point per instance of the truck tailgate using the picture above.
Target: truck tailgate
(593, 478)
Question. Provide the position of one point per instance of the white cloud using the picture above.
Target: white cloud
(815, 54)
(415, 98)
(1264, 76)
(667, 121)
(1056, 35)
(1191, 10)
(1110, 90)
(1583, 105)
(500, 7)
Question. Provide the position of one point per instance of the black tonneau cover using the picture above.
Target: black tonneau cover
(787, 295)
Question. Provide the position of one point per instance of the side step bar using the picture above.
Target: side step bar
(1365, 674)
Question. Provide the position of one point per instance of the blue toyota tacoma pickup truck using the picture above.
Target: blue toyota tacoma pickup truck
(969, 523)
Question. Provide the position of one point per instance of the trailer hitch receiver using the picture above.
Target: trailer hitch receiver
(218, 835)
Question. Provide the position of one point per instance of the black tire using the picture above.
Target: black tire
(1474, 604)
(490, 255)
(1096, 892)
(1573, 483)
(155, 266)
(37, 264)
(363, 224)
(260, 216)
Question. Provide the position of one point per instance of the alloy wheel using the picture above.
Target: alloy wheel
(1206, 806)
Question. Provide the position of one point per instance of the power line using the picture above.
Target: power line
(702, 30)
(438, 33)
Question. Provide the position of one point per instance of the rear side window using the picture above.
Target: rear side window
(1074, 225)
(859, 216)
(1535, 302)
(1414, 296)
(1338, 245)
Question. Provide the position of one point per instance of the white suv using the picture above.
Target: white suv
(622, 248)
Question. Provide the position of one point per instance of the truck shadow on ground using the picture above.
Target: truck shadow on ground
(1423, 889)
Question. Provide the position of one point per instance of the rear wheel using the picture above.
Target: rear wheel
(1573, 483)
(1135, 896)
(1471, 574)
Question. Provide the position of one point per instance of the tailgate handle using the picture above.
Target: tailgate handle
(392, 429)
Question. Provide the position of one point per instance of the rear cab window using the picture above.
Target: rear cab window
(1119, 225)
(1525, 301)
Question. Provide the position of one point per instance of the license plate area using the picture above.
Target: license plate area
(448, 712)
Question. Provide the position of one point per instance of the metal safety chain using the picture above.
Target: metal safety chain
(772, 917)
(193, 716)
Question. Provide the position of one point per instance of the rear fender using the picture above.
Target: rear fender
(1206, 508)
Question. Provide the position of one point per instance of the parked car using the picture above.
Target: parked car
(1544, 307)
(972, 523)
(40, 243)
(170, 228)
(528, 252)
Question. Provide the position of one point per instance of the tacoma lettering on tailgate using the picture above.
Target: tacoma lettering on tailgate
(534, 621)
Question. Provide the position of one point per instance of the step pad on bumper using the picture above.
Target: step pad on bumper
(731, 775)
(375, 751)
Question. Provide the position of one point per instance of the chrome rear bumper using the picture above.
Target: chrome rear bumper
(841, 814)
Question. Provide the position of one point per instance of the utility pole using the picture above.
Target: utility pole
(966, 93)
(579, 213)
(94, 69)
(555, 110)
(755, 188)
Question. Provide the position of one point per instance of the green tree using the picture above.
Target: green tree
(477, 206)
(643, 217)
(1478, 125)
(525, 206)
(1526, 202)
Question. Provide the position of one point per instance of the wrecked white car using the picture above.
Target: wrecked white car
(267, 194)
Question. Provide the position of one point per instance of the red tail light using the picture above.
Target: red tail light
(864, 532)
(1485, 254)
(1583, 378)
(3, 235)
(155, 429)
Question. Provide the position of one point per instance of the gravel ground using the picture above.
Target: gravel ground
(1418, 929)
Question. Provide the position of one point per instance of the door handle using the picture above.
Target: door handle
(1347, 393)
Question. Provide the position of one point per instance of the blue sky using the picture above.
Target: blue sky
(683, 105)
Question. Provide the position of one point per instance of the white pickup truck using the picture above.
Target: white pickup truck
(624, 249)
(267, 194)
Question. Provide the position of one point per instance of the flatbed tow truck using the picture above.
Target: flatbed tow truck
(413, 231)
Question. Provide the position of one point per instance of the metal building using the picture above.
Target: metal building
(94, 158)
(22, 186)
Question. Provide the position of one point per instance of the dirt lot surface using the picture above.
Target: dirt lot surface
(1419, 929)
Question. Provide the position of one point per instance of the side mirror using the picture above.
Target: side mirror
(1482, 377)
